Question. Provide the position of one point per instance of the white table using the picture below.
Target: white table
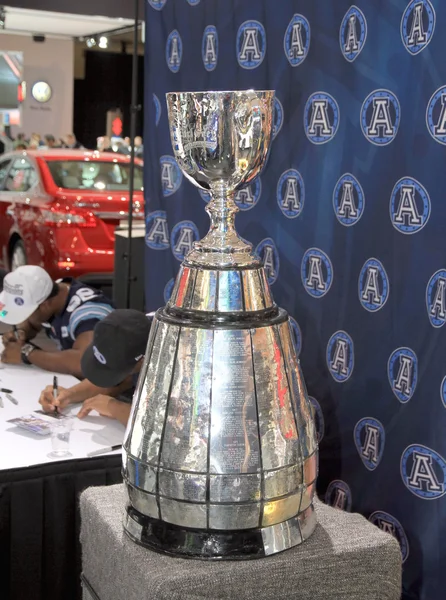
(20, 448)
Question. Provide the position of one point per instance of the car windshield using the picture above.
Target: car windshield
(94, 175)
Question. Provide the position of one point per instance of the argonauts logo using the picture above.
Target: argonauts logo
(157, 4)
(168, 289)
(291, 193)
(338, 495)
(417, 25)
(247, 197)
(402, 370)
(373, 285)
(277, 117)
(209, 48)
(318, 417)
(194, 2)
(269, 255)
(296, 41)
(340, 356)
(316, 272)
(321, 118)
(389, 524)
(436, 298)
(251, 44)
(380, 117)
(443, 391)
(436, 115)
(296, 335)
(204, 195)
(157, 233)
(183, 235)
(348, 200)
(410, 206)
(171, 175)
(174, 51)
(157, 104)
(369, 439)
(423, 472)
(353, 33)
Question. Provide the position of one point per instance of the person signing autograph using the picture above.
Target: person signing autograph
(66, 309)
(111, 365)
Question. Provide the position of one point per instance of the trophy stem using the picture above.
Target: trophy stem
(222, 246)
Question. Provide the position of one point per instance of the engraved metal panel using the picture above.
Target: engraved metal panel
(235, 488)
(277, 511)
(229, 292)
(307, 522)
(310, 468)
(283, 481)
(182, 486)
(281, 536)
(280, 446)
(145, 437)
(266, 289)
(253, 290)
(133, 528)
(204, 297)
(185, 442)
(307, 496)
(186, 286)
(234, 430)
(183, 513)
(141, 475)
(234, 516)
(302, 407)
(144, 502)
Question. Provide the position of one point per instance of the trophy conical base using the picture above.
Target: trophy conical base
(185, 542)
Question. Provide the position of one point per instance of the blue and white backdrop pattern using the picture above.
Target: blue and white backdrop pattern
(349, 218)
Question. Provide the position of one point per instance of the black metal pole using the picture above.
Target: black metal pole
(134, 108)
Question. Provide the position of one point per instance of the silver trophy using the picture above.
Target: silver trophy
(220, 454)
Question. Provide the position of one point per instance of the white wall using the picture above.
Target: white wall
(51, 61)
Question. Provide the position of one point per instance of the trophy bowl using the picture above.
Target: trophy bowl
(220, 139)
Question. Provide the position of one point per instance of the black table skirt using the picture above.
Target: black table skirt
(40, 552)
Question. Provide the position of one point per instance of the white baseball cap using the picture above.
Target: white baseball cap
(23, 290)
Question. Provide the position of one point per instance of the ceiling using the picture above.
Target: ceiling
(26, 21)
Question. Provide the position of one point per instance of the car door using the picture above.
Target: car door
(5, 164)
(17, 189)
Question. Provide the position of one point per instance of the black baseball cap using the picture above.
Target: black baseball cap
(119, 342)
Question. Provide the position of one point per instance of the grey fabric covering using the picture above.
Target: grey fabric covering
(345, 558)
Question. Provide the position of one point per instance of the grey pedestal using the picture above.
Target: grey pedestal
(346, 558)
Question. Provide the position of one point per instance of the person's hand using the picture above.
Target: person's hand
(101, 403)
(10, 336)
(11, 354)
(49, 403)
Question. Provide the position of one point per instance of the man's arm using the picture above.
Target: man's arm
(25, 331)
(65, 361)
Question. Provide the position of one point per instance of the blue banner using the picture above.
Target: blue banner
(348, 216)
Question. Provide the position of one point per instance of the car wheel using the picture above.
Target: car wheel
(18, 256)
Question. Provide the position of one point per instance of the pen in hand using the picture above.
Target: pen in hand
(16, 332)
(55, 391)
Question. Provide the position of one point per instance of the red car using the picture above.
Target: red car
(59, 209)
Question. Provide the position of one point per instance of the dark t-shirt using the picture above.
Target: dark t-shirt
(85, 306)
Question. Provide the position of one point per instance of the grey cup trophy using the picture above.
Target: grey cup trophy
(220, 453)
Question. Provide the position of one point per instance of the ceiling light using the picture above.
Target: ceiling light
(103, 42)
(90, 42)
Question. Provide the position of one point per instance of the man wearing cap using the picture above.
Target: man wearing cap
(67, 310)
(110, 364)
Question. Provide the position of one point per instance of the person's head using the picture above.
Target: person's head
(21, 137)
(127, 141)
(70, 139)
(20, 146)
(28, 293)
(118, 347)
(50, 140)
(138, 141)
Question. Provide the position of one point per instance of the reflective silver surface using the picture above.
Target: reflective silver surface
(221, 438)
(221, 142)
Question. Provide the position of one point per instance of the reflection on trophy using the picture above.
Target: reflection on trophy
(220, 453)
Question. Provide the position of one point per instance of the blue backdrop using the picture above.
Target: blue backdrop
(349, 218)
